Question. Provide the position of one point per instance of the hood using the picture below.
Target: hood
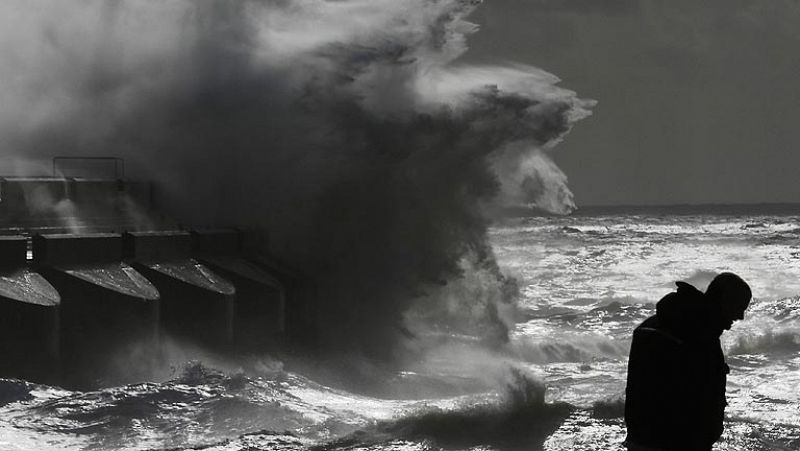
(685, 311)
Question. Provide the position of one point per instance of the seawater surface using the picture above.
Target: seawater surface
(586, 281)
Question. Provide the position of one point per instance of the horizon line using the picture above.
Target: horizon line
(689, 204)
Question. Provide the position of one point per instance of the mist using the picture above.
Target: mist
(349, 131)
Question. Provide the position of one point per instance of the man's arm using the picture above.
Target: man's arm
(655, 405)
(706, 389)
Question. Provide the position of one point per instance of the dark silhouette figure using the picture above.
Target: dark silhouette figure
(675, 398)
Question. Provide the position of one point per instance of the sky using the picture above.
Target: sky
(698, 101)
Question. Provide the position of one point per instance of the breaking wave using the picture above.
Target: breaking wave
(348, 131)
(779, 341)
(204, 407)
(517, 416)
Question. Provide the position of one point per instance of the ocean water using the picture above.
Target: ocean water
(585, 280)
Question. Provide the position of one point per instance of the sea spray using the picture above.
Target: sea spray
(348, 130)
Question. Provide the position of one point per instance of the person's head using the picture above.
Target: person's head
(731, 295)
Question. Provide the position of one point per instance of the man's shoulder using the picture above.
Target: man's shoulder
(650, 323)
(652, 329)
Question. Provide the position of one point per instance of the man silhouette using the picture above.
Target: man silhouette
(675, 398)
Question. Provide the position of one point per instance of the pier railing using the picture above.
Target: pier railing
(59, 167)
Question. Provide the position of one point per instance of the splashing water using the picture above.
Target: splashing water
(349, 131)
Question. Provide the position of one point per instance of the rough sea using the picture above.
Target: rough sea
(586, 281)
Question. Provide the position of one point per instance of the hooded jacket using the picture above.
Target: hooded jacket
(675, 397)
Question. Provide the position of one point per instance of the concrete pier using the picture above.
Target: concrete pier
(92, 277)
(109, 311)
(260, 297)
(196, 303)
(29, 317)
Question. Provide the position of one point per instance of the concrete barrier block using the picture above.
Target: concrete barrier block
(150, 246)
(141, 193)
(69, 249)
(31, 197)
(13, 251)
(217, 242)
(96, 197)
